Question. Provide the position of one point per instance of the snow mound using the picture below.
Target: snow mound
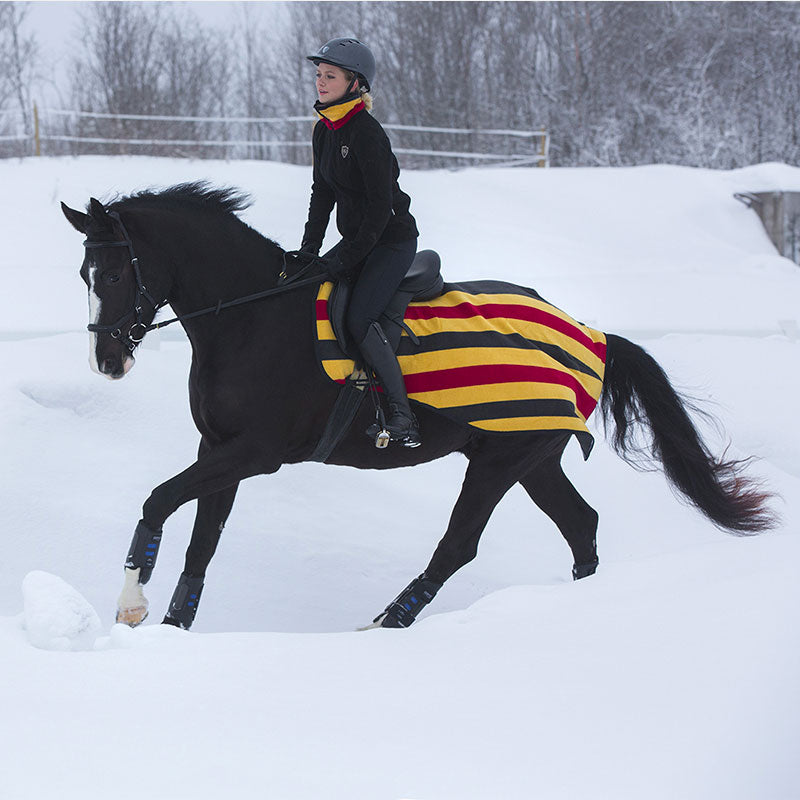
(57, 617)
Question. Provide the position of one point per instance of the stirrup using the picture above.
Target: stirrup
(382, 436)
(381, 431)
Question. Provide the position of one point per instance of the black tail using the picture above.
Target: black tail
(636, 393)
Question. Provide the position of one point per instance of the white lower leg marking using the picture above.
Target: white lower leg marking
(132, 605)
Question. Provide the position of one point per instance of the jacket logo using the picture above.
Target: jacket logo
(345, 150)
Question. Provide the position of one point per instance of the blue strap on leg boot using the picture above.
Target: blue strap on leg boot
(185, 599)
(143, 551)
(403, 610)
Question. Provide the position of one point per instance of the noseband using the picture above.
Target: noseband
(138, 329)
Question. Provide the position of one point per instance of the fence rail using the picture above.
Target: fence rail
(57, 131)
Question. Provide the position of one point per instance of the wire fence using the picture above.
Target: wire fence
(56, 131)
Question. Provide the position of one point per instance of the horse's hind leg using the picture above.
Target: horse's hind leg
(212, 512)
(494, 467)
(552, 491)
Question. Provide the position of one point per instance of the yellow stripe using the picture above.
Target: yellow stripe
(529, 330)
(491, 393)
(530, 424)
(338, 368)
(335, 113)
(325, 331)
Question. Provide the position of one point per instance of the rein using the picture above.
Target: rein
(138, 329)
(289, 283)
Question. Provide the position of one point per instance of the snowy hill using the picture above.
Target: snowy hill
(671, 673)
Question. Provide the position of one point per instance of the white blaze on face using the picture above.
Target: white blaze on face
(94, 318)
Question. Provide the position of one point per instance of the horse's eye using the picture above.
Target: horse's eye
(110, 277)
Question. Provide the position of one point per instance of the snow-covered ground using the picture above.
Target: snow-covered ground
(672, 673)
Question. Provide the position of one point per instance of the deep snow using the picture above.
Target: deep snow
(671, 673)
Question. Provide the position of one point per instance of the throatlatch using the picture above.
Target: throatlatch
(143, 551)
(403, 610)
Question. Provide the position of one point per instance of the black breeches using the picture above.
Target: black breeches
(383, 270)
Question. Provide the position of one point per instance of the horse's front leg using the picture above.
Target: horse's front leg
(217, 470)
(212, 513)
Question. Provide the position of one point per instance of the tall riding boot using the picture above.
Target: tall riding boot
(402, 424)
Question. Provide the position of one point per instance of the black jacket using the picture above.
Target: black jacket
(355, 168)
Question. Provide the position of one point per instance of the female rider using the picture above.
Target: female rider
(355, 169)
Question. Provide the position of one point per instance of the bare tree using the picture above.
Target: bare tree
(712, 84)
(18, 57)
(147, 59)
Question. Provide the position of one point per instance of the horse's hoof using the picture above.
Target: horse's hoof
(584, 570)
(376, 623)
(132, 616)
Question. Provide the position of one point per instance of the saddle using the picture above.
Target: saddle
(423, 281)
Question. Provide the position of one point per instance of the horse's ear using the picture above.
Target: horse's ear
(98, 210)
(77, 219)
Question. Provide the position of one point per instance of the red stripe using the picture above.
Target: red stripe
(335, 125)
(494, 310)
(508, 311)
(464, 377)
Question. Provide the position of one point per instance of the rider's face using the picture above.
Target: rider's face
(332, 82)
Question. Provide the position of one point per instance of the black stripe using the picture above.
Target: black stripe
(492, 287)
(503, 409)
(327, 349)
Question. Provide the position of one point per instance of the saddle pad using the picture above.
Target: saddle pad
(492, 355)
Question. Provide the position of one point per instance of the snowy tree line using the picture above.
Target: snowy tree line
(712, 84)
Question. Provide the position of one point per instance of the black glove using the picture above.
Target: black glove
(294, 261)
(310, 248)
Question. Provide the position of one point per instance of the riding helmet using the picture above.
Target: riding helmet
(348, 54)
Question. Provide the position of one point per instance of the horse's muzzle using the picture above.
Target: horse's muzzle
(115, 367)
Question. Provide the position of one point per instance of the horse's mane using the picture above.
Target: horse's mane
(192, 196)
(197, 194)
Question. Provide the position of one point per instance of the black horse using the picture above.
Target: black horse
(259, 399)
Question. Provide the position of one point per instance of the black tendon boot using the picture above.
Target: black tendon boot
(185, 600)
(402, 424)
(403, 610)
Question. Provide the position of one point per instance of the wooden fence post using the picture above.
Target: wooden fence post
(36, 138)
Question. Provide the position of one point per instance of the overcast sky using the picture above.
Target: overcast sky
(57, 24)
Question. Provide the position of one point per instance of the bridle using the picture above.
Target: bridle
(136, 332)
(138, 329)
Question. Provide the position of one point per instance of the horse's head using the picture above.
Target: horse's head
(120, 306)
